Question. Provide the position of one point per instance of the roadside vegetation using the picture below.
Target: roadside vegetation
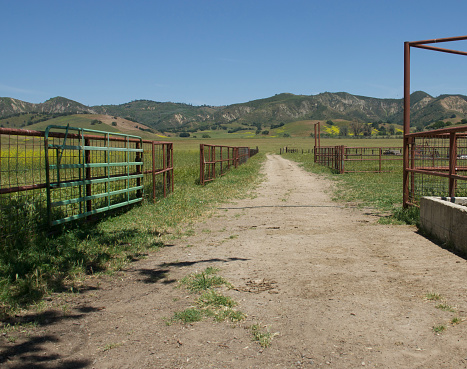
(35, 264)
(210, 302)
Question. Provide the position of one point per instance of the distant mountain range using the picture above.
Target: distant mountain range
(281, 108)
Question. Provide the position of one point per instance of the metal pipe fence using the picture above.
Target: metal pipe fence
(216, 160)
(293, 150)
(345, 159)
(436, 164)
(73, 173)
(434, 161)
(331, 157)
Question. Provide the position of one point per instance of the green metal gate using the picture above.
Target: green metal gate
(92, 173)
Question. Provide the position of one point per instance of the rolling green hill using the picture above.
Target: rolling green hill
(255, 116)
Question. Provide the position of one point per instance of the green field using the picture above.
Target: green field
(33, 264)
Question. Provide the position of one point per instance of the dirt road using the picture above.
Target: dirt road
(337, 289)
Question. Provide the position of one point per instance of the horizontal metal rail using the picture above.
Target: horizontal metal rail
(436, 164)
(23, 182)
(344, 159)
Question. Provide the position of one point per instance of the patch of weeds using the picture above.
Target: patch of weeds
(110, 346)
(431, 296)
(11, 339)
(445, 307)
(203, 281)
(261, 336)
(187, 316)
(410, 215)
(212, 298)
(233, 237)
(230, 314)
(219, 306)
(189, 232)
(66, 309)
(456, 320)
(210, 303)
(19, 327)
(439, 328)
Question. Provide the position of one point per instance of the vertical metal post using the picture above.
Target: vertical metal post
(201, 164)
(452, 163)
(138, 159)
(342, 158)
(213, 160)
(47, 178)
(153, 145)
(380, 158)
(405, 179)
(172, 165)
(221, 161)
(87, 160)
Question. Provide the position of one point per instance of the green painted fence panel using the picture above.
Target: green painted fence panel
(89, 172)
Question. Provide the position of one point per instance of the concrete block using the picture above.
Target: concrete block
(446, 219)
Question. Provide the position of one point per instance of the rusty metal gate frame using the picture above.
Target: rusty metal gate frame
(222, 156)
(409, 139)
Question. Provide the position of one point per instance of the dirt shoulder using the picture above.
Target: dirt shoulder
(337, 289)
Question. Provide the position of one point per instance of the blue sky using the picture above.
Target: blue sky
(220, 52)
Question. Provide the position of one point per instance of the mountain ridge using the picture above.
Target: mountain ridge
(280, 108)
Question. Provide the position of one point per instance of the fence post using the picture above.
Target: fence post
(222, 171)
(201, 164)
(380, 158)
(452, 163)
(213, 160)
(87, 160)
(170, 162)
(342, 159)
(153, 145)
(138, 159)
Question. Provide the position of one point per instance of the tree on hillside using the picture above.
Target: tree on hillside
(367, 128)
(356, 127)
(343, 131)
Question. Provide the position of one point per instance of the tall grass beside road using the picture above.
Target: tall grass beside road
(37, 265)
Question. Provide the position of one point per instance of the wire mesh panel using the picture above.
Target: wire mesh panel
(23, 175)
(372, 159)
(23, 199)
(437, 164)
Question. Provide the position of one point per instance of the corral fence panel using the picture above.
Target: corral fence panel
(372, 159)
(434, 161)
(294, 150)
(216, 160)
(344, 159)
(87, 175)
(82, 173)
(331, 157)
(436, 164)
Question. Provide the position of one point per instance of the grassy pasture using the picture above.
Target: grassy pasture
(33, 264)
